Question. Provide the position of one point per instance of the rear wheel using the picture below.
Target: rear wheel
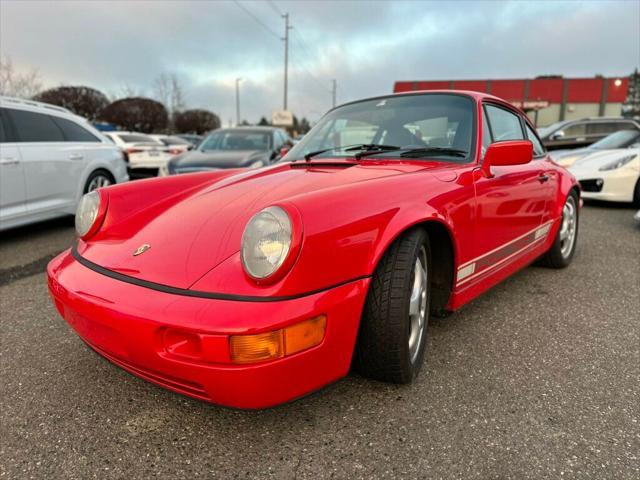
(564, 246)
(392, 336)
(636, 194)
(98, 179)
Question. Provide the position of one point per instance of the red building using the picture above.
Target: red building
(545, 99)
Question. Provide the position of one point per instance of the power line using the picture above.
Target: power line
(273, 5)
(245, 10)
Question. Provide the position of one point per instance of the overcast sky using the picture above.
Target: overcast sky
(365, 45)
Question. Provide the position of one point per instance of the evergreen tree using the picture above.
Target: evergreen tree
(631, 105)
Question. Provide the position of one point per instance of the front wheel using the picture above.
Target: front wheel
(393, 329)
(564, 246)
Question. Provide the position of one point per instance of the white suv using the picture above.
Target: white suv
(49, 158)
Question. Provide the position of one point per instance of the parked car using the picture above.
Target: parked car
(144, 154)
(584, 132)
(622, 139)
(240, 147)
(611, 175)
(191, 138)
(251, 288)
(176, 145)
(49, 158)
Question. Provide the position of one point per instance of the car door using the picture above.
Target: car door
(12, 187)
(510, 204)
(52, 166)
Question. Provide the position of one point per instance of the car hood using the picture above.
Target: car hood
(601, 157)
(576, 152)
(206, 160)
(190, 236)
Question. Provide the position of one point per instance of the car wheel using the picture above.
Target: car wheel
(564, 246)
(636, 194)
(392, 335)
(98, 179)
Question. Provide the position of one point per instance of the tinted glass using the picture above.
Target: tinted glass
(406, 121)
(35, 127)
(237, 140)
(575, 130)
(504, 124)
(538, 149)
(74, 132)
(600, 128)
(3, 137)
(175, 141)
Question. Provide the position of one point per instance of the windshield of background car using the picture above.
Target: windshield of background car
(620, 139)
(439, 121)
(231, 140)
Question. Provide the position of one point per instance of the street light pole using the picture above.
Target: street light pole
(286, 56)
(238, 80)
(333, 92)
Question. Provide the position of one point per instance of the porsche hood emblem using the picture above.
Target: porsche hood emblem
(141, 249)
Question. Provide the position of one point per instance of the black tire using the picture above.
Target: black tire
(95, 176)
(636, 194)
(555, 257)
(382, 349)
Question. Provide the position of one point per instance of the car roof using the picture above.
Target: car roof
(40, 107)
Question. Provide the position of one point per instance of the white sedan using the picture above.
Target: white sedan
(143, 152)
(612, 175)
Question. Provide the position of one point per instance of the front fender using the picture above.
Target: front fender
(344, 235)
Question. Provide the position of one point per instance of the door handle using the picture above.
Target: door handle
(9, 161)
(76, 156)
(543, 177)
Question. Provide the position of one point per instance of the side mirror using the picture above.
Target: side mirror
(512, 152)
(557, 135)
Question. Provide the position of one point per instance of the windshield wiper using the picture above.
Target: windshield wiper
(424, 151)
(368, 148)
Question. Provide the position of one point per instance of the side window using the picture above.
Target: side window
(604, 128)
(486, 133)
(34, 127)
(3, 136)
(504, 124)
(575, 130)
(538, 149)
(74, 132)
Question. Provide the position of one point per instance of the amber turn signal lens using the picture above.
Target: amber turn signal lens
(279, 343)
(304, 335)
(256, 348)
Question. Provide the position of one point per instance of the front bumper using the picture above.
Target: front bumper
(128, 325)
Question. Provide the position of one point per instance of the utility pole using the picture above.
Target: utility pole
(238, 80)
(286, 56)
(333, 91)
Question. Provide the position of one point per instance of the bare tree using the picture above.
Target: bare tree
(15, 84)
(168, 90)
(128, 91)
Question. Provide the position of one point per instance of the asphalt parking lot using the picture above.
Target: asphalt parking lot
(539, 378)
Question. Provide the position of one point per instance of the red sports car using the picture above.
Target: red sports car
(249, 288)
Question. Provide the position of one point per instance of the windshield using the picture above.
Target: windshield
(621, 139)
(237, 140)
(441, 125)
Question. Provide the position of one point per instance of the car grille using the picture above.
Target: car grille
(592, 185)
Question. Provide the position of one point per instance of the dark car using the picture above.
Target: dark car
(583, 132)
(241, 147)
(618, 140)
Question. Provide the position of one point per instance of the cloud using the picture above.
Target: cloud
(366, 46)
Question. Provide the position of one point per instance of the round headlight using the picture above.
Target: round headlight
(87, 212)
(266, 242)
